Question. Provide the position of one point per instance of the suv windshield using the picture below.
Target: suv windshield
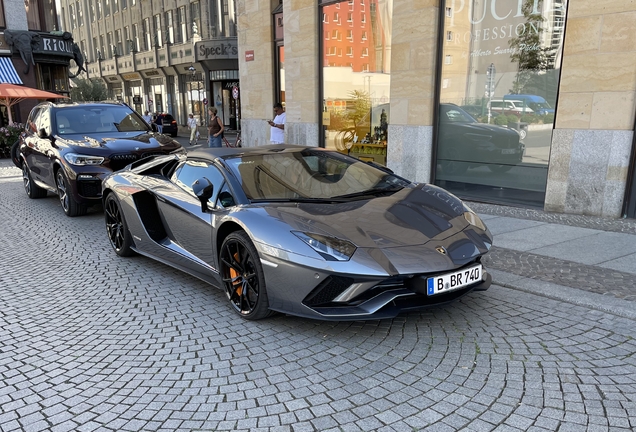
(92, 119)
(310, 174)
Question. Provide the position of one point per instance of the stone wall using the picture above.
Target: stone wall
(595, 114)
(413, 64)
(257, 76)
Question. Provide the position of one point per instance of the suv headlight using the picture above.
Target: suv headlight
(330, 248)
(83, 160)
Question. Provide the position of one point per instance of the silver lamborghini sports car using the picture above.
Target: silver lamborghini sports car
(299, 230)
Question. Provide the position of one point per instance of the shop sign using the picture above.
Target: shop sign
(249, 55)
(131, 76)
(136, 99)
(152, 73)
(218, 49)
(53, 45)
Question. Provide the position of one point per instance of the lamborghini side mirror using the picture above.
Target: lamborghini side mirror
(203, 190)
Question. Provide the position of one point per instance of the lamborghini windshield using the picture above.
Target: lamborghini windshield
(310, 174)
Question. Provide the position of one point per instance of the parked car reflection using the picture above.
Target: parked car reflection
(465, 143)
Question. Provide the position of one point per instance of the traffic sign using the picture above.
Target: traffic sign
(235, 92)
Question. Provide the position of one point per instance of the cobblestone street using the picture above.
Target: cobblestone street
(90, 341)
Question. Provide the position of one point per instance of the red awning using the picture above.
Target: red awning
(11, 94)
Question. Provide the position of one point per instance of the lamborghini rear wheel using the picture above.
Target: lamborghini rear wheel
(243, 277)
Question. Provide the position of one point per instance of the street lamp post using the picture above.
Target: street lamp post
(193, 71)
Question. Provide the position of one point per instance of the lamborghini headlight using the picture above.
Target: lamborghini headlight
(330, 248)
(83, 160)
(472, 218)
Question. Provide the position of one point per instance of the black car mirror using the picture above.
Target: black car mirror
(203, 190)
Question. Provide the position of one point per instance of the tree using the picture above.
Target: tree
(529, 55)
(88, 90)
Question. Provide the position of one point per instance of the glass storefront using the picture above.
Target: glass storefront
(500, 65)
(356, 67)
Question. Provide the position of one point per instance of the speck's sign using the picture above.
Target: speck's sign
(216, 49)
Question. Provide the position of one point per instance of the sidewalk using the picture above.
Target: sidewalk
(584, 260)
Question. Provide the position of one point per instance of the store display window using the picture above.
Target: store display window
(356, 72)
(500, 68)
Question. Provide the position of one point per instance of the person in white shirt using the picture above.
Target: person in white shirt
(277, 131)
(147, 117)
(192, 124)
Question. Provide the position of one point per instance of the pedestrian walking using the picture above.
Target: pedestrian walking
(147, 117)
(277, 130)
(159, 123)
(192, 124)
(215, 129)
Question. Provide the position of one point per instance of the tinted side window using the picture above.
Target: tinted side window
(43, 121)
(31, 127)
(191, 171)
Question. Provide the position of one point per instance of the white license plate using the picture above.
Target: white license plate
(454, 281)
(508, 151)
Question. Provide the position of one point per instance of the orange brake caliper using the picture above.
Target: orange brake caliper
(238, 286)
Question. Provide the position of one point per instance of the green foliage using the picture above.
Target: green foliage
(501, 120)
(529, 118)
(548, 118)
(8, 135)
(87, 90)
(359, 108)
(529, 54)
(513, 118)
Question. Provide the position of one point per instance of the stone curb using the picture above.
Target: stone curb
(599, 302)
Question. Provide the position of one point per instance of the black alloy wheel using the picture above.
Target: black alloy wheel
(32, 190)
(243, 277)
(71, 207)
(15, 158)
(116, 227)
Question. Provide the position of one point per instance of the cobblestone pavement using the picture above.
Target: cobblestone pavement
(93, 342)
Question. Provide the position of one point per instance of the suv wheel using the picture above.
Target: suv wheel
(32, 190)
(71, 207)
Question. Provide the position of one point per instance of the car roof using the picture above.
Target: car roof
(82, 104)
(228, 152)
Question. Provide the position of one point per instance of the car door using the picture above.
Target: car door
(186, 224)
(30, 140)
(42, 155)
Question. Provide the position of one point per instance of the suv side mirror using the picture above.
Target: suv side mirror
(203, 189)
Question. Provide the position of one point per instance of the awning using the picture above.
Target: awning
(8, 74)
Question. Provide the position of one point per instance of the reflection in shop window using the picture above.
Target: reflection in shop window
(499, 84)
(356, 89)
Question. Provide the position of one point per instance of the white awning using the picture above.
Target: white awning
(8, 74)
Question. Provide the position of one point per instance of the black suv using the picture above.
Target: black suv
(69, 148)
(170, 126)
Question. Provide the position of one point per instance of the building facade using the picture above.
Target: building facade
(174, 56)
(33, 51)
(522, 102)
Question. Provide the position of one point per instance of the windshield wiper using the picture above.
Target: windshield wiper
(371, 192)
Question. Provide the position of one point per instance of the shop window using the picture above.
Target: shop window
(505, 85)
(356, 113)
